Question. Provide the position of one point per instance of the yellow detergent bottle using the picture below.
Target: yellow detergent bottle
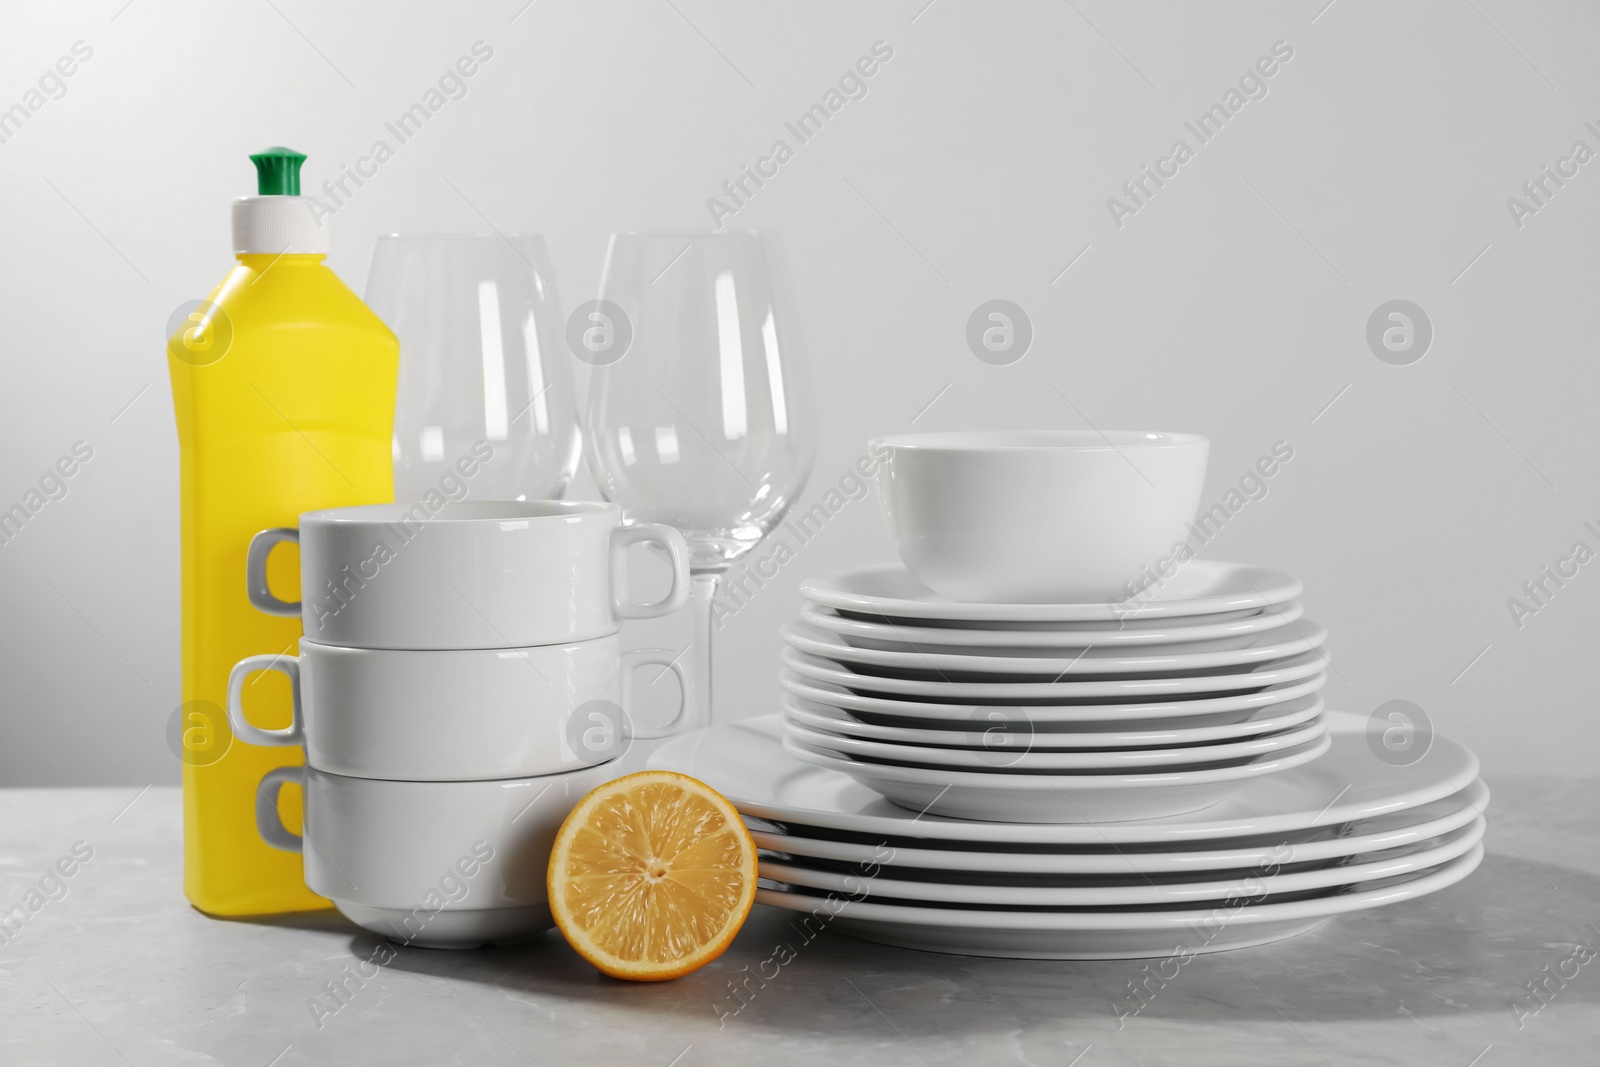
(283, 383)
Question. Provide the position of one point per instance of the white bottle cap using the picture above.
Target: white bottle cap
(276, 225)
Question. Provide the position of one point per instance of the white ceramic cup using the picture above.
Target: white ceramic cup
(460, 714)
(472, 574)
(437, 864)
(1037, 516)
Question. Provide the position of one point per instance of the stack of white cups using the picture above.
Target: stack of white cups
(459, 687)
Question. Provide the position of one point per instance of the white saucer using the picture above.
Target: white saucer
(1047, 666)
(1089, 798)
(1105, 934)
(905, 637)
(1317, 844)
(1200, 587)
(746, 762)
(1128, 889)
(1156, 687)
(1010, 752)
(1161, 714)
(986, 728)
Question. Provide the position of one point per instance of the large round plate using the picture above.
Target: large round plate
(1120, 890)
(746, 762)
(1200, 587)
(1010, 693)
(1318, 844)
(1083, 717)
(987, 729)
(1105, 934)
(905, 637)
(1044, 666)
(1011, 754)
(1057, 798)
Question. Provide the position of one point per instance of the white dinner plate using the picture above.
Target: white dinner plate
(1080, 891)
(989, 728)
(1009, 752)
(1155, 687)
(1104, 933)
(1043, 665)
(1086, 797)
(1315, 845)
(1200, 587)
(1082, 717)
(745, 762)
(905, 637)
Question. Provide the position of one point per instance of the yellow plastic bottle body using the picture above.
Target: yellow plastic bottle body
(296, 415)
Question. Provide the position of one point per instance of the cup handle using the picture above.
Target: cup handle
(625, 536)
(672, 661)
(243, 728)
(268, 824)
(255, 571)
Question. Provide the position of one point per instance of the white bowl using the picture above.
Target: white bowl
(1038, 516)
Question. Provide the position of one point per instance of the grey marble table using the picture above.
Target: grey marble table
(120, 969)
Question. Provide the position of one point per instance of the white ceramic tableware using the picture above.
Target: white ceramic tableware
(1106, 933)
(1153, 687)
(1040, 516)
(986, 728)
(459, 714)
(1092, 798)
(1201, 587)
(436, 864)
(1046, 665)
(1010, 751)
(468, 574)
(1083, 717)
(1133, 890)
(746, 762)
(1317, 844)
(905, 637)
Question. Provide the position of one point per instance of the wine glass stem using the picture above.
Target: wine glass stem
(703, 592)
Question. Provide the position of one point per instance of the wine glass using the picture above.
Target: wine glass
(484, 385)
(699, 410)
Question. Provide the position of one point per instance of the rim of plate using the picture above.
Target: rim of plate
(923, 756)
(840, 589)
(942, 636)
(1055, 714)
(1361, 867)
(1228, 853)
(816, 716)
(1307, 636)
(1403, 887)
(1298, 666)
(1066, 782)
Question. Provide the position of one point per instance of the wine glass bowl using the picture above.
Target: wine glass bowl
(483, 380)
(704, 422)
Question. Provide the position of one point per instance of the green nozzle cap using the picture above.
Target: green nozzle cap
(278, 171)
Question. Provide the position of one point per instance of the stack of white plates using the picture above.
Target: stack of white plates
(1055, 713)
(1280, 855)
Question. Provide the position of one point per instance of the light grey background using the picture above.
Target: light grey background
(978, 167)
